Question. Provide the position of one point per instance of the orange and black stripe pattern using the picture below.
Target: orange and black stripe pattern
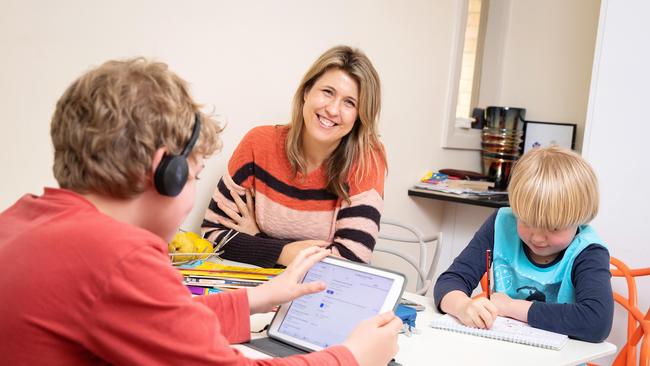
(291, 208)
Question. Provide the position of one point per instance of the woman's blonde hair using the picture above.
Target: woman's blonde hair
(109, 122)
(361, 147)
(553, 189)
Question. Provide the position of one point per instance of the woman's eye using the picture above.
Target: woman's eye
(327, 92)
(350, 104)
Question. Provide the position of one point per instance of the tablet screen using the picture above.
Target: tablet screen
(352, 295)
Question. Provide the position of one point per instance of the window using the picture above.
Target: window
(466, 74)
(470, 70)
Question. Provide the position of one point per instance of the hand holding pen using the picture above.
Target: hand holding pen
(479, 311)
(504, 305)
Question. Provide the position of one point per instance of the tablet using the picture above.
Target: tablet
(354, 292)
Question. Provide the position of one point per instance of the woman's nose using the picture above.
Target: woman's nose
(332, 107)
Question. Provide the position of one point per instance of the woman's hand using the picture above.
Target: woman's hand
(291, 250)
(244, 220)
(286, 286)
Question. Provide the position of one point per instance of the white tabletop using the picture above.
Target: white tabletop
(435, 346)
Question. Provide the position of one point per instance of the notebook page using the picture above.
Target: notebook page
(506, 329)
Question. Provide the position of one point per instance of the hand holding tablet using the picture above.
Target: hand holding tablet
(355, 309)
(374, 340)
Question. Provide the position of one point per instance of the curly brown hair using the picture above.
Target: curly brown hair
(109, 122)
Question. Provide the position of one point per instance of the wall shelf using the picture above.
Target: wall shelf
(485, 201)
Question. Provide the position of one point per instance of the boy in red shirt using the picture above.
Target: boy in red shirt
(86, 278)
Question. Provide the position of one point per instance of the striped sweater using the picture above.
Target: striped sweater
(289, 209)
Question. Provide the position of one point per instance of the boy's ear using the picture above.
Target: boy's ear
(155, 162)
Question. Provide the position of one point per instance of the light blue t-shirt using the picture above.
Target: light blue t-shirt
(519, 278)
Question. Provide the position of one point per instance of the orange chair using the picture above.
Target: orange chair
(638, 325)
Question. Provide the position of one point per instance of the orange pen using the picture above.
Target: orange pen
(488, 271)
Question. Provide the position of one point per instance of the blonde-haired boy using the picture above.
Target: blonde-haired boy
(85, 274)
(550, 268)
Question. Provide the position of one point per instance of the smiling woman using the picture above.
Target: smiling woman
(317, 181)
(330, 112)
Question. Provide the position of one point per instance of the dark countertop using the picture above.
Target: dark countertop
(495, 201)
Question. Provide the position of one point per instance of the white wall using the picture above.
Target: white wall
(616, 140)
(244, 59)
(539, 56)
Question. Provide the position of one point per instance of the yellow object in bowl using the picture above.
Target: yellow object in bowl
(191, 243)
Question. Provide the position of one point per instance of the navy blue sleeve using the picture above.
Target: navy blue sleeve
(466, 271)
(590, 318)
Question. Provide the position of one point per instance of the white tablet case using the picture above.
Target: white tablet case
(345, 305)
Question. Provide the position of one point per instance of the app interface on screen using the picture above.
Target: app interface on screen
(326, 318)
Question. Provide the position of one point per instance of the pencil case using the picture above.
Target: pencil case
(407, 314)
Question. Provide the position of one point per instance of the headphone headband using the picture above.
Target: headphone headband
(196, 130)
(171, 175)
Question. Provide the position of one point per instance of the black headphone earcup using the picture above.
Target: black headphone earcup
(171, 175)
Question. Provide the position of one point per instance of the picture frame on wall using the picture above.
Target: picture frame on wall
(544, 134)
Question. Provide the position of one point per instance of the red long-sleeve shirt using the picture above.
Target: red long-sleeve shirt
(79, 287)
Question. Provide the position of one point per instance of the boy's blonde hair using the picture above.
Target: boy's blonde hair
(553, 189)
(109, 122)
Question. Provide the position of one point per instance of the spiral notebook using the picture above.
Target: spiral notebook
(505, 329)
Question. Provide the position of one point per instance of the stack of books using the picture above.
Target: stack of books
(203, 277)
(443, 183)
